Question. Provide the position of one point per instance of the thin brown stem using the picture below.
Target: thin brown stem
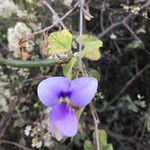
(55, 23)
(15, 144)
(53, 12)
(96, 123)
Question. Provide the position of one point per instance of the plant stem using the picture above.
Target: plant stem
(96, 122)
(27, 64)
(81, 32)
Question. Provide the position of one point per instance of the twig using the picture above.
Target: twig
(118, 48)
(55, 23)
(114, 25)
(15, 144)
(101, 17)
(7, 118)
(96, 122)
(133, 33)
(126, 86)
(136, 37)
(35, 78)
(53, 12)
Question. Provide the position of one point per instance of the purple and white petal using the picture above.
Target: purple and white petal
(82, 91)
(51, 89)
(55, 132)
(63, 120)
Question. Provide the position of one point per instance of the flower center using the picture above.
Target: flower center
(68, 104)
(66, 100)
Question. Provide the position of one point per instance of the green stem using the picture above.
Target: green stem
(27, 64)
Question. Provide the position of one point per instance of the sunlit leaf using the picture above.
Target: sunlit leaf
(60, 41)
(67, 68)
(94, 55)
(103, 137)
(91, 46)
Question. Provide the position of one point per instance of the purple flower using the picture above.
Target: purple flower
(64, 96)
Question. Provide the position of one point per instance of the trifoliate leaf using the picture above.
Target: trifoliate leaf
(91, 46)
(60, 42)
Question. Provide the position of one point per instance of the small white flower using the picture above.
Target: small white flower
(27, 130)
(3, 104)
(36, 143)
(139, 96)
(113, 36)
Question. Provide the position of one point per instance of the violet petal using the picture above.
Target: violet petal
(82, 91)
(63, 120)
(49, 90)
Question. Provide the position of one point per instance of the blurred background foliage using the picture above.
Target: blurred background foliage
(123, 98)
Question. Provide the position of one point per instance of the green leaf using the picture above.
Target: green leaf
(91, 47)
(60, 42)
(95, 74)
(103, 137)
(67, 68)
(88, 145)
